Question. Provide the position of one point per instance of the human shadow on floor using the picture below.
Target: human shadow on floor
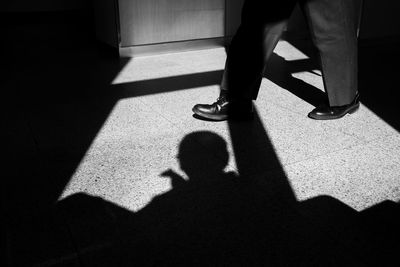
(209, 218)
(60, 93)
(213, 217)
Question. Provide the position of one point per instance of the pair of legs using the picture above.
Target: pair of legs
(333, 25)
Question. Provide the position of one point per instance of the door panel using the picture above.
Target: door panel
(159, 21)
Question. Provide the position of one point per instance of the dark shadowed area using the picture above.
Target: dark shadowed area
(57, 93)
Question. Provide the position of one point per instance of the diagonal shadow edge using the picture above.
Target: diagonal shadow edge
(168, 84)
(256, 158)
(106, 104)
(182, 82)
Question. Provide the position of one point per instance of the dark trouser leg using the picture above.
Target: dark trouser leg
(333, 25)
(262, 25)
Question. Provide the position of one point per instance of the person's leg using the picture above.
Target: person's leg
(333, 26)
(261, 27)
(247, 57)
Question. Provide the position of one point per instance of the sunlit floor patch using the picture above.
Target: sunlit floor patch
(354, 159)
(289, 52)
(311, 77)
(171, 65)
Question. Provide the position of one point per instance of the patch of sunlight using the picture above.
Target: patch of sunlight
(124, 162)
(289, 52)
(361, 175)
(127, 156)
(170, 65)
(313, 78)
(135, 145)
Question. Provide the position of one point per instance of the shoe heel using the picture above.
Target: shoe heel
(354, 109)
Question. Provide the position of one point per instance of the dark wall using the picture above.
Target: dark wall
(380, 19)
(42, 5)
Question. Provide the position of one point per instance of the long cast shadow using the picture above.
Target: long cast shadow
(214, 218)
(57, 96)
(280, 72)
(168, 84)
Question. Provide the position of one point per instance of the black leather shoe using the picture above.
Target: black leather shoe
(336, 112)
(223, 109)
(217, 111)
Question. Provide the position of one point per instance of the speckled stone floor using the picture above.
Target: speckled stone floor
(93, 139)
(354, 159)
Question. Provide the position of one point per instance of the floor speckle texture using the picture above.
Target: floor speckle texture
(343, 158)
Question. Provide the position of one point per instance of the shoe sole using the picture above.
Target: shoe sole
(209, 117)
(247, 117)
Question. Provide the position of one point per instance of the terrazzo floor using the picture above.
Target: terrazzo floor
(354, 159)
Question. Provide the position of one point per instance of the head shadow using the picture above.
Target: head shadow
(213, 217)
(196, 153)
